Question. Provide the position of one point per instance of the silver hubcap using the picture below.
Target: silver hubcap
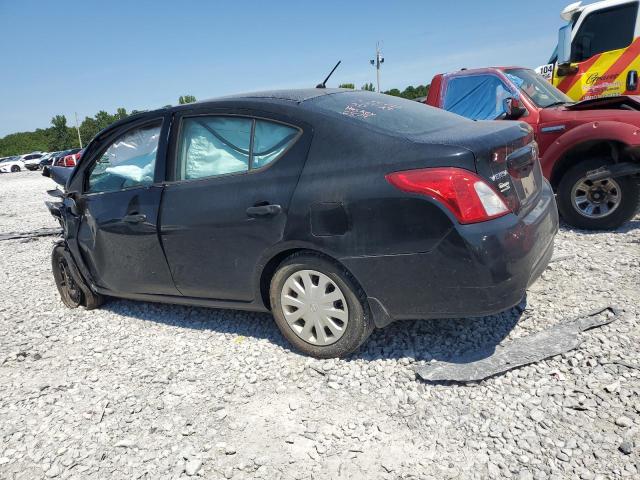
(314, 307)
(596, 199)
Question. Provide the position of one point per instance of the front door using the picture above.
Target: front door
(118, 231)
(604, 55)
(233, 180)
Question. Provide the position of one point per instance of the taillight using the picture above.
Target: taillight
(468, 196)
(69, 161)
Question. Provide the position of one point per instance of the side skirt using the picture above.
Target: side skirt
(188, 301)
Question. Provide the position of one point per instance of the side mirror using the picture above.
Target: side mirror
(564, 45)
(564, 52)
(513, 110)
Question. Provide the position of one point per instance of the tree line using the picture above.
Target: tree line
(410, 93)
(61, 136)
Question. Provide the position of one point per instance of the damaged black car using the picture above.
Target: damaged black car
(339, 211)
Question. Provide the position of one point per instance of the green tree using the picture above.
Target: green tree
(394, 92)
(184, 99)
(61, 136)
(347, 85)
(368, 87)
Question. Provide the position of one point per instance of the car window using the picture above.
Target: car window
(539, 90)
(215, 145)
(604, 30)
(478, 97)
(270, 141)
(219, 145)
(129, 161)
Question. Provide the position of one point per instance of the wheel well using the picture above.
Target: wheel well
(270, 269)
(597, 148)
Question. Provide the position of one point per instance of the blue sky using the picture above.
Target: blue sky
(61, 57)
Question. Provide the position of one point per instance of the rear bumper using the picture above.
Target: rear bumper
(476, 270)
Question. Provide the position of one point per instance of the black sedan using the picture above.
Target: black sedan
(339, 211)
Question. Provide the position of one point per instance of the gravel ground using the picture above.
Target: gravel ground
(141, 390)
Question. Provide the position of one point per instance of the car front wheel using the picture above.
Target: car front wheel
(15, 168)
(72, 293)
(597, 204)
(318, 306)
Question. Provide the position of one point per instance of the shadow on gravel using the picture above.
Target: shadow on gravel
(459, 340)
(626, 228)
(453, 340)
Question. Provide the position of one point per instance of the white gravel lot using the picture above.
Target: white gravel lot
(140, 390)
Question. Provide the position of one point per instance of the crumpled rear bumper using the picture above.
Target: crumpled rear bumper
(476, 270)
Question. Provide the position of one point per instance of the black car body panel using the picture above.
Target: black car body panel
(197, 241)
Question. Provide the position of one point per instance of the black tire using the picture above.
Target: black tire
(360, 323)
(15, 168)
(627, 208)
(73, 290)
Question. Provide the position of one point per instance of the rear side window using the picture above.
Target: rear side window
(217, 145)
(604, 30)
(270, 141)
(129, 161)
(478, 97)
(391, 114)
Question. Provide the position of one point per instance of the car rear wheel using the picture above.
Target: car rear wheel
(318, 306)
(597, 204)
(15, 168)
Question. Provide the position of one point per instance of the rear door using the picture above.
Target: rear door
(118, 209)
(234, 176)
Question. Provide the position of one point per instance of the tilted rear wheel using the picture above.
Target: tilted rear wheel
(597, 204)
(318, 306)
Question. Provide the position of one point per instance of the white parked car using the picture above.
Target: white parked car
(32, 160)
(11, 164)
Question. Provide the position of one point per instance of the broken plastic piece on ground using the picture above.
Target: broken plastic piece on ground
(553, 341)
(41, 232)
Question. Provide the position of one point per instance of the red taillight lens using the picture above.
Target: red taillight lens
(468, 196)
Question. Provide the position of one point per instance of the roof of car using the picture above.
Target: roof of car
(296, 96)
(291, 95)
(483, 70)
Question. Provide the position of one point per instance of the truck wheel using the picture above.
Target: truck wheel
(318, 306)
(15, 168)
(600, 204)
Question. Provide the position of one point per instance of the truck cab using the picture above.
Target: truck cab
(589, 150)
(598, 50)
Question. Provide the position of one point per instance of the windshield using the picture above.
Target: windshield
(384, 112)
(539, 90)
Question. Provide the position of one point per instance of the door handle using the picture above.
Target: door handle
(135, 218)
(632, 80)
(259, 211)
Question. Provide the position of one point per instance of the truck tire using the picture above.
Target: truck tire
(597, 205)
(319, 307)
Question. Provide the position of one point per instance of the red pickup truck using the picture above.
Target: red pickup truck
(589, 150)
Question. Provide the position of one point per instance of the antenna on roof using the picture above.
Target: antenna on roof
(324, 83)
